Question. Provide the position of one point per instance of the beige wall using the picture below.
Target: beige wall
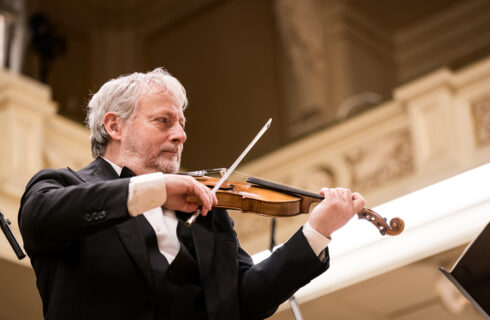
(250, 60)
(434, 128)
(228, 69)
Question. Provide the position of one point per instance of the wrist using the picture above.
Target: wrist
(318, 242)
(325, 232)
(146, 192)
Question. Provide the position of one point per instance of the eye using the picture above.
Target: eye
(163, 120)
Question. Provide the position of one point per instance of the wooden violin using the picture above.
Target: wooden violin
(271, 199)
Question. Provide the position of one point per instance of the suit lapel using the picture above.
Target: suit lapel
(130, 230)
(131, 236)
(203, 238)
(204, 242)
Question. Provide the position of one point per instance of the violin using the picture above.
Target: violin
(271, 199)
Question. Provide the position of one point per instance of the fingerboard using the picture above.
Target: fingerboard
(285, 189)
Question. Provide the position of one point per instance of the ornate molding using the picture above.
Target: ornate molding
(480, 110)
(380, 161)
(427, 43)
(313, 178)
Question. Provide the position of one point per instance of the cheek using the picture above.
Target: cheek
(135, 138)
(145, 136)
(144, 133)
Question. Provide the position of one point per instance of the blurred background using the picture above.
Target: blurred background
(384, 97)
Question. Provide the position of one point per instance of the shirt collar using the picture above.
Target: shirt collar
(117, 168)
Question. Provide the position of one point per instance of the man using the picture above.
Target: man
(108, 242)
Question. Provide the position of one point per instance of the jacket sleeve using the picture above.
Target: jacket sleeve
(57, 208)
(264, 286)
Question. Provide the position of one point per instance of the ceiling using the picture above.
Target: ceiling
(399, 14)
(390, 14)
(124, 13)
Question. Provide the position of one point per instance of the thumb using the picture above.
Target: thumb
(189, 207)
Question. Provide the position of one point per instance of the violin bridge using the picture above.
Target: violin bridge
(222, 172)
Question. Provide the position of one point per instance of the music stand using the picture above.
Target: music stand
(471, 273)
(5, 226)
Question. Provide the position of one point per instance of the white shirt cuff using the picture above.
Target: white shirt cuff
(318, 242)
(146, 192)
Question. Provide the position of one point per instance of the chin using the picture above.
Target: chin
(167, 163)
(169, 167)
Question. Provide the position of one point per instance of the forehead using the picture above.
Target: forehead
(158, 101)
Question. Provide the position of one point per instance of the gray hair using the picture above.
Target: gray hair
(121, 96)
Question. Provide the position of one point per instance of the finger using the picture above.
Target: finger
(324, 192)
(206, 205)
(203, 193)
(212, 200)
(358, 202)
(346, 194)
(211, 197)
(357, 195)
(204, 212)
(189, 207)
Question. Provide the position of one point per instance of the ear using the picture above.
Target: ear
(113, 125)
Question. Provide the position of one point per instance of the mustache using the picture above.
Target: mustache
(172, 149)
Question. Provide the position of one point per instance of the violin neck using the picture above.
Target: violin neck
(284, 189)
(308, 198)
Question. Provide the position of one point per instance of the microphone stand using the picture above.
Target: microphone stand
(4, 224)
(292, 299)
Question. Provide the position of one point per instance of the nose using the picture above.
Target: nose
(178, 134)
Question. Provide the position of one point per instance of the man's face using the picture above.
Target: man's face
(153, 138)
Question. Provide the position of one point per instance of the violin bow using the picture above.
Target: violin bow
(225, 177)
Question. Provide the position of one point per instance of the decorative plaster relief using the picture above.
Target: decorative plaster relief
(313, 178)
(481, 120)
(380, 161)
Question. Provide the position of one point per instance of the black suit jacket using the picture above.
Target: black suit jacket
(91, 261)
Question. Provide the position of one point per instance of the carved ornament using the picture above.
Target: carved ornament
(481, 120)
(380, 161)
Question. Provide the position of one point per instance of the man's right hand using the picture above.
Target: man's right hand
(180, 187)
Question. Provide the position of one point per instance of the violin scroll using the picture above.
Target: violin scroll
(395, 227)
